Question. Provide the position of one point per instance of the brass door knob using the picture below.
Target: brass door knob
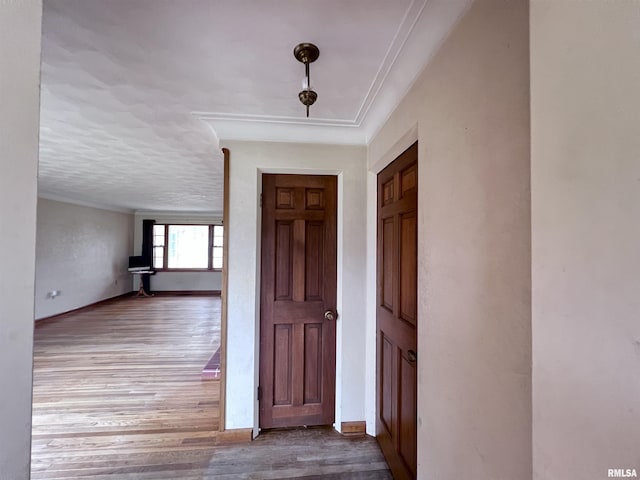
(329, 315)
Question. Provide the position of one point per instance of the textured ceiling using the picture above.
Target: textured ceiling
(126, 85)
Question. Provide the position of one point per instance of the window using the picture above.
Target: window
(158, 246)
(187, 247)
(216, 248)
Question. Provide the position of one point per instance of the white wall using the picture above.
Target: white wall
(470, 112)
(186, 281)
(82, 252)
(178, 281)
(585, 75)
(20, 31)
(248, 160)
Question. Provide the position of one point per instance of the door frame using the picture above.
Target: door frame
(249, 160)
(402, 336)
(375, 166)
(224, 290)
(329, 298)
(339, 280)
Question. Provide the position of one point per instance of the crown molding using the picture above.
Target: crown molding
(238, 117)
(177, 214)
(425, 26)
(436, 21)
(83, 203)
(256, 130)
(411, 16)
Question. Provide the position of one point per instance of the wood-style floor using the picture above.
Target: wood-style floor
(118, 394)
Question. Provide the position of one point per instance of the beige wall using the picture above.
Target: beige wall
(248, 160)
(470, 113)
(20, 24)
(585, 80)
(83, 253)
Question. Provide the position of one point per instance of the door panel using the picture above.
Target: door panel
(408, 267)
(298, 284)
(386, 377)
(397, 319)
(314, 260)
(388, 252)
(312, 363)
(407, 413)
(284, 232)
(282, 367)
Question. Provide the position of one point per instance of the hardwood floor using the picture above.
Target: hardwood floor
(123, 378)
(118, 394)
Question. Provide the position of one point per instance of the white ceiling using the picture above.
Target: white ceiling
(137, 93)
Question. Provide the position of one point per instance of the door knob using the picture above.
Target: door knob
(412, 356)
(330, 315)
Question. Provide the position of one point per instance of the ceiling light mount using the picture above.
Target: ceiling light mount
(307, 53)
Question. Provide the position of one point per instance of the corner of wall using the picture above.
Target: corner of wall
(20, 47)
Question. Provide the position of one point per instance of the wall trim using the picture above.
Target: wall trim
(353, 429)
(83, 203)
(405, 141)
(193, 293)
(168, 213)
(236, 435)
(60, 316)
(433, 26)
(225, 290)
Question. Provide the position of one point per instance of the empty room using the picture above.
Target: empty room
(362, 239)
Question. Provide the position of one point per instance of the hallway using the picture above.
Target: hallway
(118, 395)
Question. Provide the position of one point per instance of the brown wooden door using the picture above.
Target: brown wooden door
(297, 342)
(397, 317)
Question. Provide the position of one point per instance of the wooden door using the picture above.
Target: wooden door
(397, 319)
(298, 288)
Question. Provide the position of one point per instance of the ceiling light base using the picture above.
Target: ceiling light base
(306, 53)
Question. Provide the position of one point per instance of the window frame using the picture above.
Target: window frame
(165, 248)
